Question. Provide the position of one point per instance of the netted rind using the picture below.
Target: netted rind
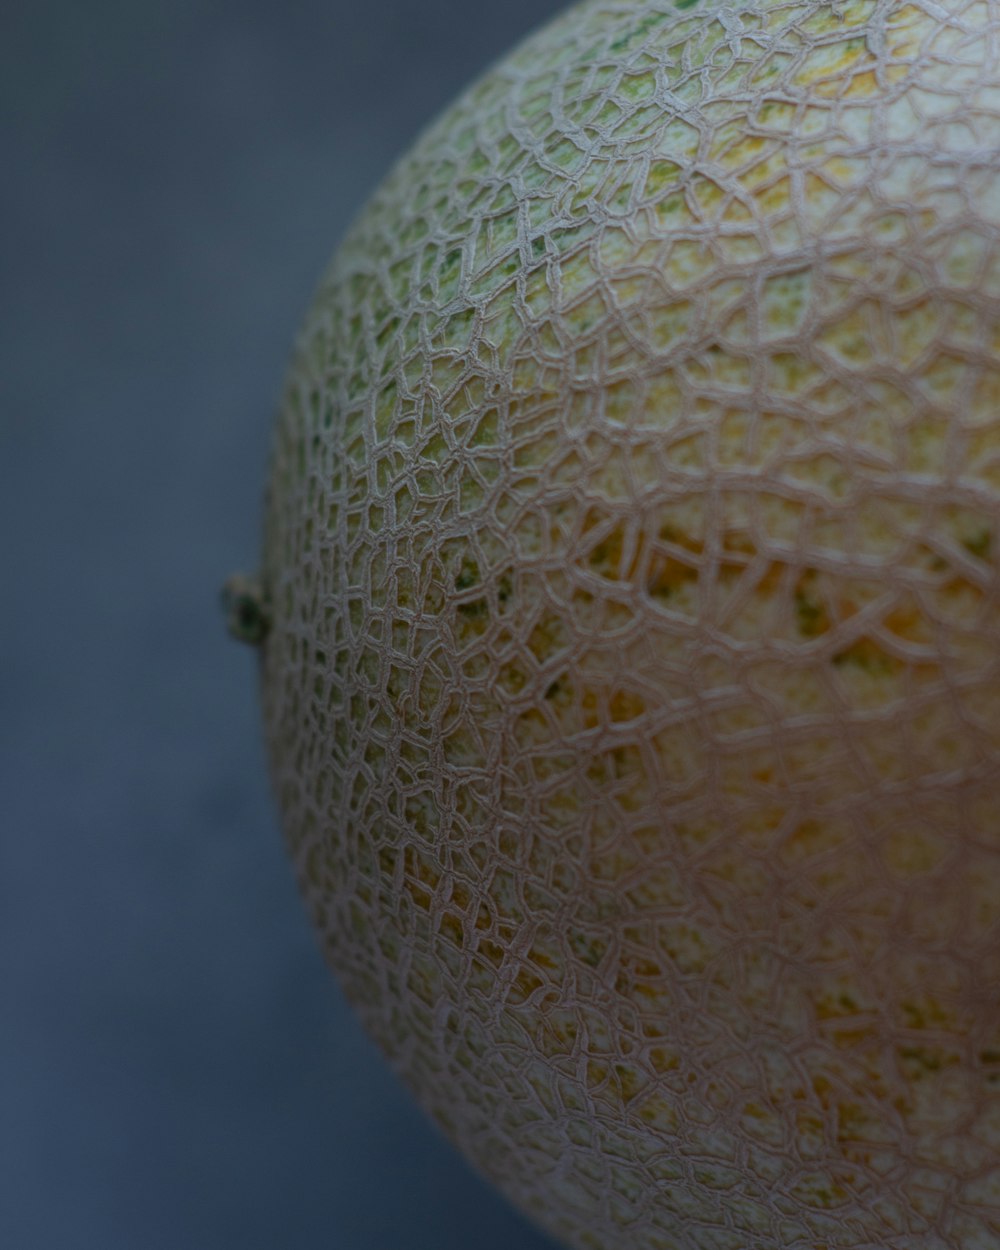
(633, 686)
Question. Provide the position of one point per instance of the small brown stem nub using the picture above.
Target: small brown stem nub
(248, 617)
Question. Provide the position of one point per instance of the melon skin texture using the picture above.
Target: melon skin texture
(633, 683)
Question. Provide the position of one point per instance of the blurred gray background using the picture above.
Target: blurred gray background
(177, 1066)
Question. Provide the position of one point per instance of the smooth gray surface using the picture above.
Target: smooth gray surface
(177, 1067)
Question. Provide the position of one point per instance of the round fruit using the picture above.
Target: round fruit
(632, 672)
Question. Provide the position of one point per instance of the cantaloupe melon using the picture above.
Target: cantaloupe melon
(632, 678)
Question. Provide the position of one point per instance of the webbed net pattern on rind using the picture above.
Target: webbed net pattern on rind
(634, 686)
